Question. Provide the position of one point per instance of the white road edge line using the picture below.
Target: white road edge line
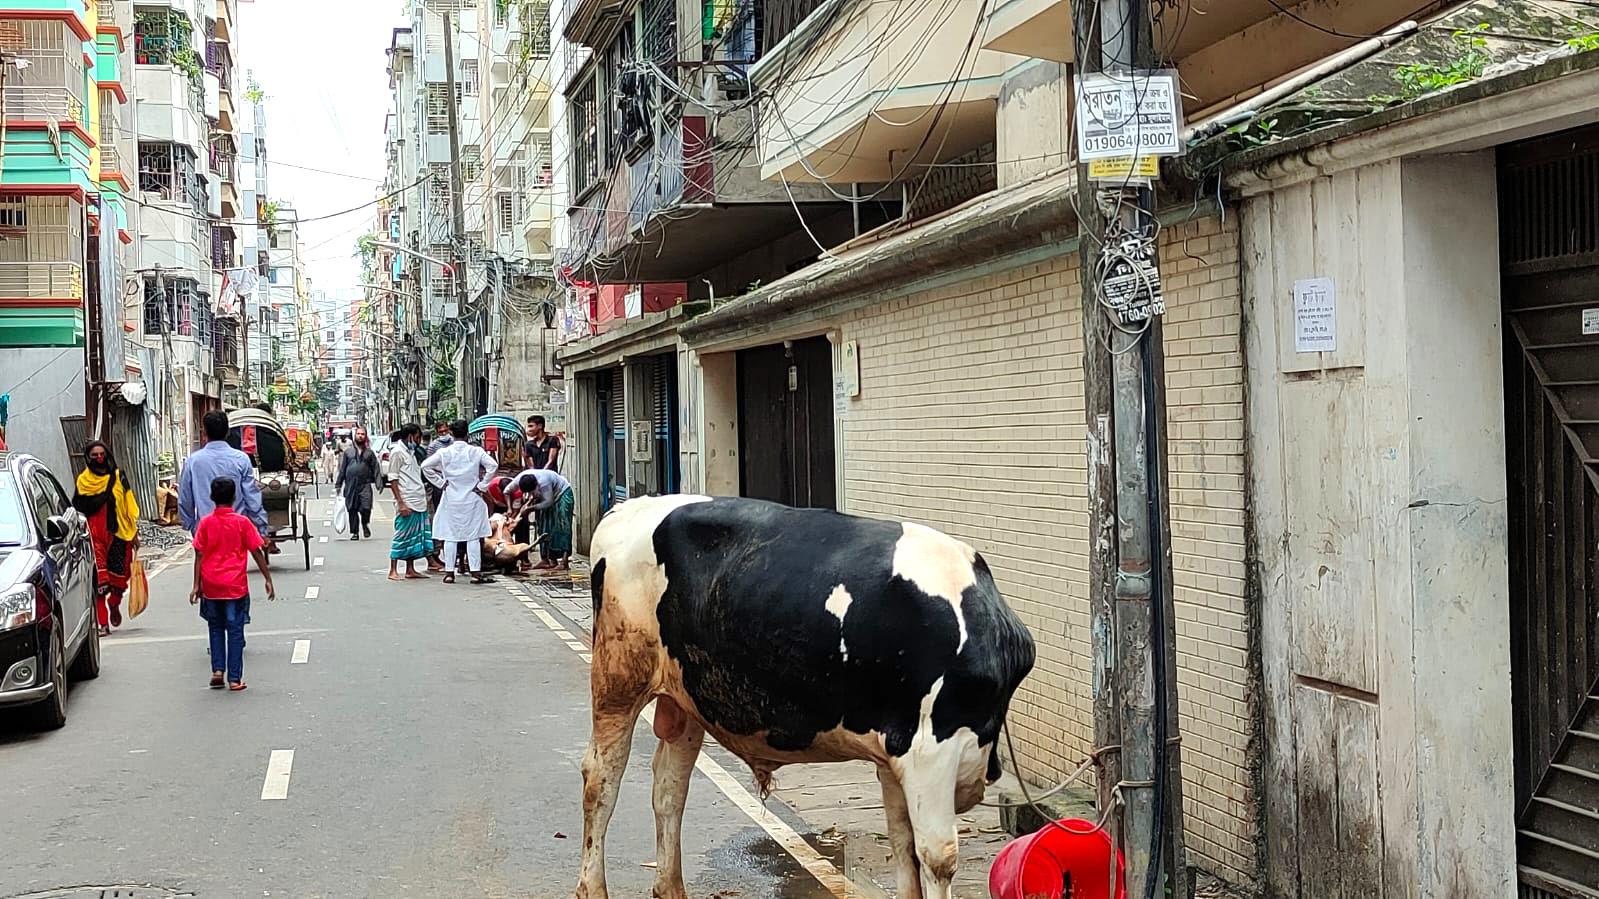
(548, 619)
(820, 868)
(312, 592)
(577, 646)
(276, 785)
(302, 652)
(825, 872)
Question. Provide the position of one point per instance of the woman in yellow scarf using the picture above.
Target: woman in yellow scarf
(104, 498)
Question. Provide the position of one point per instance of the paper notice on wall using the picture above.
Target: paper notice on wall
(1315, 327)
(1590, 322)
(840, 395)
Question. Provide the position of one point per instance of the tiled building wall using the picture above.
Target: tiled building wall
(970, 418)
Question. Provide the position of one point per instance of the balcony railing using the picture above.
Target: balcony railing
(111, 156)
(52, 103)
(40, 280)
(107, 11)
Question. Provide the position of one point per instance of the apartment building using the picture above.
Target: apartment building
(668, 213)
(59, 221)
(516, 182)
(491, 343)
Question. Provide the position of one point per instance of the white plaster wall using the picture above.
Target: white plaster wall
(1378, 490)
(45, 383)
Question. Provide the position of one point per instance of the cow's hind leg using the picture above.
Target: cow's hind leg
(603, 766)
(673, 768)
(900, 836)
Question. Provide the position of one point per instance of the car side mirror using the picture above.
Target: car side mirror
(56, 530)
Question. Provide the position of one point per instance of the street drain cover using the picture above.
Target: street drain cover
(108, 891)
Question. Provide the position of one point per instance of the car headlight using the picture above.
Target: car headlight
(20, 607)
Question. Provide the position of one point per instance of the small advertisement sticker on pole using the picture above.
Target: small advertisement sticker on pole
(1128, 115)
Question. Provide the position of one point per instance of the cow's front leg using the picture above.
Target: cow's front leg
(900, 836)
(603, 766)
(673, 769)
(928, 775)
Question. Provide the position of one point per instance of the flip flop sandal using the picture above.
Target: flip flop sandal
(449, 578)
(235, 688)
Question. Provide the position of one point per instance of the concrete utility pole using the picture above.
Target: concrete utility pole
(1134, 676)
(457, 210)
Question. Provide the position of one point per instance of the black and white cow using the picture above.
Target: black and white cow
(797, 636)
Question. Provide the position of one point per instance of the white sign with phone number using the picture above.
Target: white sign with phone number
(1128, 115)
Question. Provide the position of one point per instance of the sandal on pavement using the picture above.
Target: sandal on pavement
(449, 578)
(482, 579)
(216, 680)
(237, 687)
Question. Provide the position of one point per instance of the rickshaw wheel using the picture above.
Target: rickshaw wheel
(305, 537)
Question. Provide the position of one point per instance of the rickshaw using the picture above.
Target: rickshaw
(281, 455)
(501, 436)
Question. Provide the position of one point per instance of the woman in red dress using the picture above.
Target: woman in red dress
(105, 499)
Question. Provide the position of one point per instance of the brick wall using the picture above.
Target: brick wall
(970, 418)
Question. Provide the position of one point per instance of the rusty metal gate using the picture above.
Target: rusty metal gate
(1549, 220)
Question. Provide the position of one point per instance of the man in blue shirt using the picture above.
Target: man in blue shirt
(218, 460)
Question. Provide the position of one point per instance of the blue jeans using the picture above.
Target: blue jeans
(227, 618)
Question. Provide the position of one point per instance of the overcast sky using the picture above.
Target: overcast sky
(324, 68)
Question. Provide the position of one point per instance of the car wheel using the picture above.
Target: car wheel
(87, 665)
(52, 712)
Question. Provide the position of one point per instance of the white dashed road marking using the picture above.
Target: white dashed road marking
(322, 539)
(302, 652)
(317, 562)
(313, 592)
(276, 785)
(548, 619)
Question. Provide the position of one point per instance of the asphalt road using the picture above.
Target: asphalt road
(436, 733)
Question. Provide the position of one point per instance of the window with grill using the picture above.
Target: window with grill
(438, 107)
(536, 29)
(471, 162)
(185, 297)
(156, 170)
(508, 210)
(469, 77)
(13, 215)
(621, 80)
(585, 136)
(159, 309)
(659, 18)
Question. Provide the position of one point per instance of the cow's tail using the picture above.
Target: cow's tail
(994, 770)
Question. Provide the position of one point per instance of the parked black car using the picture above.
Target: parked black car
(47, 585)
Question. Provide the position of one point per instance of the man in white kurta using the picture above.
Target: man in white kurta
(462, 471)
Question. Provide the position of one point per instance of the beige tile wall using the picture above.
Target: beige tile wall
(970, 418)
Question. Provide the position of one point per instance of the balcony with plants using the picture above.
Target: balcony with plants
(164, 39)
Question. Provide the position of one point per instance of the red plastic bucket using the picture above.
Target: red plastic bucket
(1065, 860)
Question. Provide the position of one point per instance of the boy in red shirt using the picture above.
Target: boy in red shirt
(224, 542)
